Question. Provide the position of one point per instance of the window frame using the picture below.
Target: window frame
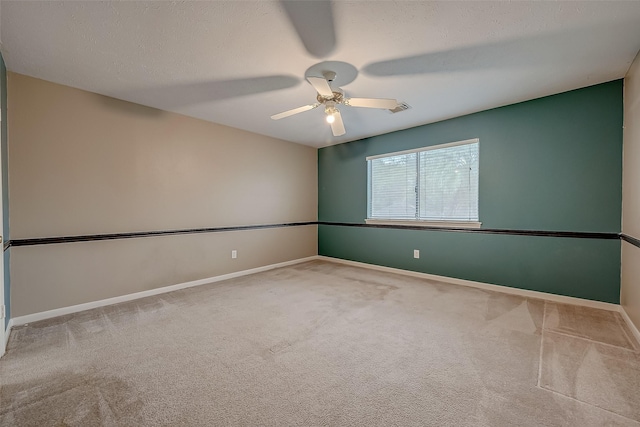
(419, 222)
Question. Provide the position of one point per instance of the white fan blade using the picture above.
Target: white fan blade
(337, 127)
(321, 86)
(387, 104)
(294, 111)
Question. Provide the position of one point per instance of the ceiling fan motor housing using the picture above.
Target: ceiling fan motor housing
(337, 97)
(330, 76)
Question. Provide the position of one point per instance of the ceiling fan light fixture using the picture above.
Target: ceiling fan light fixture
(331, 118)
(330, 112)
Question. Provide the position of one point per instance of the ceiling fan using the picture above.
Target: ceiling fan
(331, 97)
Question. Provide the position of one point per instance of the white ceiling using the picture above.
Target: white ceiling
(239, 62)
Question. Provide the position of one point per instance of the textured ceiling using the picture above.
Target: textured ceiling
(239, 62)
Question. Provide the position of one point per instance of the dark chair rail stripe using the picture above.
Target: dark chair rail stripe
(114, 236)
(574, 234)
(629, 239)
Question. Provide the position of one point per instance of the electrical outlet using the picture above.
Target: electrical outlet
(416, 253)
(234, 254)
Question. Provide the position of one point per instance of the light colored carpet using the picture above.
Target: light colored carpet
(321, 343)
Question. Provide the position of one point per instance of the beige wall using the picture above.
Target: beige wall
(54, 276)
(81, 163)
(630, 291)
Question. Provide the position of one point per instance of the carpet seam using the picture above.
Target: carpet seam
(587, 403)
(544, 315)
(593, 341)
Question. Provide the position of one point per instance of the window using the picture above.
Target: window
(435, 185)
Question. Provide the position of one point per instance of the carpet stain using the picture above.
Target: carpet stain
(279, 347)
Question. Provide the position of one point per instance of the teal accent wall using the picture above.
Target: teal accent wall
(550, 164)
(5, 188)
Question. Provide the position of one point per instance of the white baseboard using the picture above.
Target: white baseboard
(23, 320)
(7, 332)
(486, 286)
(630, 324)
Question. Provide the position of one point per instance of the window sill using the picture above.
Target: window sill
(418, 223)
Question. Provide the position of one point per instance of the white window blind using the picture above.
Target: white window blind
(393, 186)
(438, 183)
